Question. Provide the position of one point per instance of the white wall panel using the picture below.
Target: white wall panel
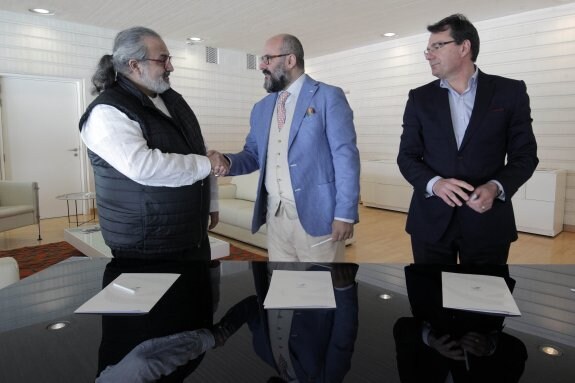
(221, 95)
(537, 47)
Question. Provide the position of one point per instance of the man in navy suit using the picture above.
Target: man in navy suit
(303, 140)
(467, 146)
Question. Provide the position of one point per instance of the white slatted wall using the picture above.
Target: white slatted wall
(537, 47)
(221, 95)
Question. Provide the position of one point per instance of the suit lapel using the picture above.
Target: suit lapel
(441, 101)
(306, 94)
(485, 90)
(267, 115)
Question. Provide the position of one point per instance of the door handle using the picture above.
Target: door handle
(73, 150)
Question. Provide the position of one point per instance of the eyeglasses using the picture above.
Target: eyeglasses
(266, 59)
(436, 46)
(164, 60)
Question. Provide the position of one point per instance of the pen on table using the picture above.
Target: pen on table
(322, 242)
(124, 288)
(466, 360)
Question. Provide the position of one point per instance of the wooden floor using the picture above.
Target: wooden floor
(380, 238)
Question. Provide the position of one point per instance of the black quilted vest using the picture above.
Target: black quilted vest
(152, 222)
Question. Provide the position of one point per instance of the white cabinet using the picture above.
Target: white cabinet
(383, 186)
(539, 204)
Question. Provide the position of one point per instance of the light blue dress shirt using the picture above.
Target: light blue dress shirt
(461, 106)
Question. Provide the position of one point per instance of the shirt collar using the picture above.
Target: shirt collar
(295, 86)
(471, 84)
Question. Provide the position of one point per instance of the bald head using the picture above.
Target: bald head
(281, 62)
(289, 44)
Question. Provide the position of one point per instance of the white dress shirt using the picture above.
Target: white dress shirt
(278, 179)
(118, 140)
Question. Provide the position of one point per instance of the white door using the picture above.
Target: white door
(41, 141)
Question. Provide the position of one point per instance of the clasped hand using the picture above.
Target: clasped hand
(220, 164)
(454, 192)
(472, 342)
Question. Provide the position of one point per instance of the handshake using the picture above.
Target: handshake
(220, 164)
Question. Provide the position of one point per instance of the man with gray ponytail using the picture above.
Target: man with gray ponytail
(154, 192)
(148, 155)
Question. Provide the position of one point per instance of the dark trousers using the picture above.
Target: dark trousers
(453, 246)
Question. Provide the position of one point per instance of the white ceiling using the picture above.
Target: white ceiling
(323, 26)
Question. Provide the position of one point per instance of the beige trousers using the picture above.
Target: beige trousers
(288, 241)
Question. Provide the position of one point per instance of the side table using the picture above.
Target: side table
(89, 241)
(82, 196)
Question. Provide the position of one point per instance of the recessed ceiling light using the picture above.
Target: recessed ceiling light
(57, 325)
(194, 40)
(385, 296)
(42, 11)
(389, 34)
(550, 350)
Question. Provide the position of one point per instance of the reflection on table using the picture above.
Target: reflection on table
(440, 344)
(359, 338)
(186, 306)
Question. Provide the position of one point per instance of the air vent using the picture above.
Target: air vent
(251, 61)
(211, 55)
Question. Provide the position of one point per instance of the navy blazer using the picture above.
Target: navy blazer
(498, 144)
(322, 154)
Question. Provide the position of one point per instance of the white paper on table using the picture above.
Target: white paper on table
(300, 289)
(148, 287)
(482, 293)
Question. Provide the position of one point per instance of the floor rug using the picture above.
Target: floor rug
(36, 258)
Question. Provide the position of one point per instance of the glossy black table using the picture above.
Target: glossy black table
(29, 352)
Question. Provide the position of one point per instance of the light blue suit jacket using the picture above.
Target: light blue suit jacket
(322, 155)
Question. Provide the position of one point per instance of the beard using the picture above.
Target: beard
(158, 85)
(276, 81)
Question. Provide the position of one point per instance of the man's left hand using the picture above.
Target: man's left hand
(477, 344)
(340, 230)
(482, 198)
(214, 219)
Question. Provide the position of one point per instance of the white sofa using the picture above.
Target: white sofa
(237, 201)
(236, 210)
(19, 205)
(9, 272)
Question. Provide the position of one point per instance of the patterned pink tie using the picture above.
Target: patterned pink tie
(281, 112)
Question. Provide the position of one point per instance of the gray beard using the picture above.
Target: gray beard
(158, 86)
